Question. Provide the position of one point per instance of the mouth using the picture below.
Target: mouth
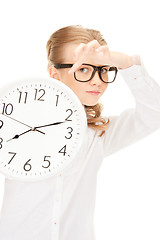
(94, 93)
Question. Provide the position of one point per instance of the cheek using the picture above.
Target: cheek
(105, 87)
(71, 83)
(77, 88)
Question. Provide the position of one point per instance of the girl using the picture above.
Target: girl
(62, 207)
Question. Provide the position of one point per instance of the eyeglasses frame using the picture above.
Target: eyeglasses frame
(96, 68)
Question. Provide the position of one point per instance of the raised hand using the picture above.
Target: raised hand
(96, 54)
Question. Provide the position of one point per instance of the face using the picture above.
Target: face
(88, 92)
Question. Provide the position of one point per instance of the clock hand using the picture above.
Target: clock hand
(21, 123)
(57, 123)
(35, 129)
(18, 135)
(16, 120)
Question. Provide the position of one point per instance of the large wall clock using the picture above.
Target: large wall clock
(42, 128)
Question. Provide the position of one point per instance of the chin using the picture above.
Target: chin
(89, 104)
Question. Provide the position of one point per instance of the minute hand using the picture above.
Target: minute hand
(52, 124)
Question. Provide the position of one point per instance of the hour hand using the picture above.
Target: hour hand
(18, 135)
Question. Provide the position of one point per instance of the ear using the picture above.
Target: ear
(53, 72)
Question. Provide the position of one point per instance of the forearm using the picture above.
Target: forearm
(123, 61)
(96, 54)
(135, 123)
(146, 92)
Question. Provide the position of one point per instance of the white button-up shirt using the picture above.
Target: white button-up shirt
(62, 207)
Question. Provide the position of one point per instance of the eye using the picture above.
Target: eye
(83, 69)
(104, 70)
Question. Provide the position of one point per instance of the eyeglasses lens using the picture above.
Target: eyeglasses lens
(85, 72)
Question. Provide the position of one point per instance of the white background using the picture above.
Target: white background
(128, 188)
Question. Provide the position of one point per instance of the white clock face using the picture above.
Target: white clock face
(42, 126)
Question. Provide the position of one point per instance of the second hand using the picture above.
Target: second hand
(22, 123)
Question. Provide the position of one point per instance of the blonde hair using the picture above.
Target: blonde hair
(55, 46)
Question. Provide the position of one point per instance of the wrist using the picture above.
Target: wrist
(136, 59)
(121, 60)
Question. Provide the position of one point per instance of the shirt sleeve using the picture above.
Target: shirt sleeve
(134, 124)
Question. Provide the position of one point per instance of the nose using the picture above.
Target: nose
(96, 79)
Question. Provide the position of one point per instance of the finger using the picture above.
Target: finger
(103, 49)
(77, 64)
(79, 51)
(85, 48)
(92, 45)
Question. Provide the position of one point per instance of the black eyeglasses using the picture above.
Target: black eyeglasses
(87, 71)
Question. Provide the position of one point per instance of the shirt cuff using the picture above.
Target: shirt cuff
(136, 59)
(136, 76)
